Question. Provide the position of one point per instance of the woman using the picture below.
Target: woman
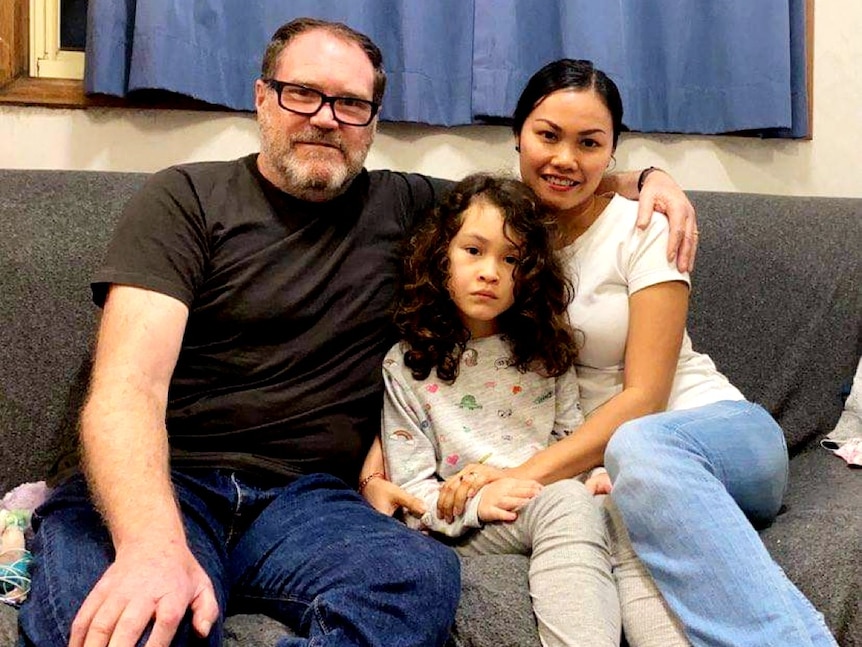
(693, 464)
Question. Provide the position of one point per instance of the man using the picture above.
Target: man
(236, 388)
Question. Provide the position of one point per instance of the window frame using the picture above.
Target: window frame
(47, 58)
(19, 87)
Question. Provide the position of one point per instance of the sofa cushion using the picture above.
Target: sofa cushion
(776, 302)
(817, 540)
(53, 231)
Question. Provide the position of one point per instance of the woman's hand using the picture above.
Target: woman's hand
(386, 497)
(661, 193)
(462, 487)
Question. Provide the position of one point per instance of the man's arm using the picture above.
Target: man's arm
(126, 460)
(660, 193)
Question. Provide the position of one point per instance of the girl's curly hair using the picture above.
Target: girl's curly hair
(536, 325)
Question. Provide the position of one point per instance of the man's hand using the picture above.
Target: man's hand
(502, 499)
(462, 487)
(661, 193)
(148, 581)
(386, 497)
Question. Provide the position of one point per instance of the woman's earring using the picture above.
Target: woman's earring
(517, 148)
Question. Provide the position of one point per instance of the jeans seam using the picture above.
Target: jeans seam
(315, 607)
(271, 598)
(231, 528)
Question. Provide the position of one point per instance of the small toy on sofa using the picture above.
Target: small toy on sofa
(846, 439)
(14, 556)
(16, 510)
(27, 496)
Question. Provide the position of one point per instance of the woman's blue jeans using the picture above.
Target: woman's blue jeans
(313, 555)
(689, 485)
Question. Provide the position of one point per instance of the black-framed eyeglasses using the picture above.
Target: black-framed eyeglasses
(301, 100)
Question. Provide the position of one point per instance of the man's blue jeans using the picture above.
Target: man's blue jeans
(313, 555)
(689, 484)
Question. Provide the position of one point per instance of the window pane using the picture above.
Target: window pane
(73, 24)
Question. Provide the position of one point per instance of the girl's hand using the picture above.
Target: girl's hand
(504, 497)
(462, 487)
(386, 497)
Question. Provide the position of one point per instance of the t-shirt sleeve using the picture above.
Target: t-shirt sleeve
(160, 243)
(425, 192)
(647, 262)
(568, 415)
(440, 187)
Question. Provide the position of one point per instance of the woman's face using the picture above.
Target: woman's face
(566, 145)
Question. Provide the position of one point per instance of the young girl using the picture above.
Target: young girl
(484, 374)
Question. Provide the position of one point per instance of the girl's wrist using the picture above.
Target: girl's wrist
(368, 478)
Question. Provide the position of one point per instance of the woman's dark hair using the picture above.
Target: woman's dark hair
(569, 74)
(536, 325)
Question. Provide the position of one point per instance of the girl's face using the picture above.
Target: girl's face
(566, 145)
(482, 260)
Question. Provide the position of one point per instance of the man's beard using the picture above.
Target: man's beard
(312, 177)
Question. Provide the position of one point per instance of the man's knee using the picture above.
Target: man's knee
(398, 558)
(416, 578)
(437, 569)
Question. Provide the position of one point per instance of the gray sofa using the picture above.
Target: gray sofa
(777, 303)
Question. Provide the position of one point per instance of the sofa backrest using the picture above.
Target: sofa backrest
(777, 303)
(53, 230)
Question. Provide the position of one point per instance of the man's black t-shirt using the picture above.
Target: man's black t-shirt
(289, 311)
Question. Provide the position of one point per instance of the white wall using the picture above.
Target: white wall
(830, 164)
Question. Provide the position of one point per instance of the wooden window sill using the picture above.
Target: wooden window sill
(54, 93)
(63, 93)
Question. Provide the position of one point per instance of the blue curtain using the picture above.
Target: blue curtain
(211, 49)
(682, 65)
(688, 66)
